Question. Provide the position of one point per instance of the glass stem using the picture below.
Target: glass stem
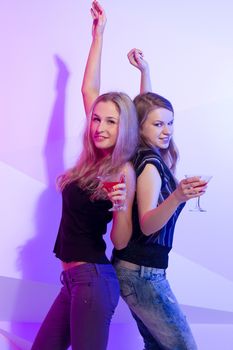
(198, 203)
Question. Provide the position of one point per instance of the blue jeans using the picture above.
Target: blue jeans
(81, 314)
(155, 309)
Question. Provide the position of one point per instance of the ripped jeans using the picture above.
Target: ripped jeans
(155, 308)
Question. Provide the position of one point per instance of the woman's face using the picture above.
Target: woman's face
(104, 126)
(158, 127)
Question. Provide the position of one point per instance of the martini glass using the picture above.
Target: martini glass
(197, 206)
(108, 183)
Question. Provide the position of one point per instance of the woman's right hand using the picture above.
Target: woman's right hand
(189, 188)
(119, 194)
(136, 58)
(99, 19)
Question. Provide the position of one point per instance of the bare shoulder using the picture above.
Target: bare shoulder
(150, 171)
(128, 170)
(148, 188)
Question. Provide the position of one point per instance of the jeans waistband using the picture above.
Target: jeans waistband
(140, 268)
(86, 268)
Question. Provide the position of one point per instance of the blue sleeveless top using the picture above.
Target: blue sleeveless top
(151, 250)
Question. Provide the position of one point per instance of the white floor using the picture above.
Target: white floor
(126, 337)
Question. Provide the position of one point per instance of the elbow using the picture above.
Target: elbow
(83, 91)
(89, 91)
(121, 241)
(146, 229)
(120, 246)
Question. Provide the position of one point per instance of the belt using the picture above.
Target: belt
(140, 268)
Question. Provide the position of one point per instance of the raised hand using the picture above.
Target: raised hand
(136, 58)
(99, 19)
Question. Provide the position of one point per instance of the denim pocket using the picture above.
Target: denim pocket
(128, 292)
(162, 293)
(113, 291)
(109, 275)
(80, 284)
(82, 292)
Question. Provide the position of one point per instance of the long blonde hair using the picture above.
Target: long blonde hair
(91, 163)
(145, 103)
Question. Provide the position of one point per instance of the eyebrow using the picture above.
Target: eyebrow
(109, 116)
(162, 121)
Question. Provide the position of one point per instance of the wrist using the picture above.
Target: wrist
(144, 70)
(98, 36)
(177, 198)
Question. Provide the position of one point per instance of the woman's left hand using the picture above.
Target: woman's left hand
(136, 58)
(189, 188)
(119, 194)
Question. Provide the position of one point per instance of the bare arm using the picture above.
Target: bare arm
(122, 220)
(91, 78)
(152, 217)
(136, 58)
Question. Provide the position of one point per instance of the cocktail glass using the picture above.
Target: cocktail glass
(197, 206)
(108, 182)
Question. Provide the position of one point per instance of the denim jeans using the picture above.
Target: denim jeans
(81, 314)
(155, 309)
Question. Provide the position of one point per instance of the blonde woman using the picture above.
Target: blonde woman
(81, 314)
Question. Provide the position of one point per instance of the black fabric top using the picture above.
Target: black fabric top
(83, 224)
(151, 250)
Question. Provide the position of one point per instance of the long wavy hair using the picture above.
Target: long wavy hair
(91, 162)
(145, 103)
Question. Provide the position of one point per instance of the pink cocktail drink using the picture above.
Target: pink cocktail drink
(108, 185)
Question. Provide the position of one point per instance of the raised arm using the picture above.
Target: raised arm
(136, 58)
(91, 78)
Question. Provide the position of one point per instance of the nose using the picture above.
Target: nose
(167, 129)
(101, 127)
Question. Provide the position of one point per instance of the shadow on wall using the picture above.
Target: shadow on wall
(36, 260)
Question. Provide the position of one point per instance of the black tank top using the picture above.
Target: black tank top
(83, 224)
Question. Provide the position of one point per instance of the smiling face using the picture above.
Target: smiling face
(158, 128)
(104, 126)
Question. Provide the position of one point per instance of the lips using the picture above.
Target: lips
(100, 138)
(165, 140)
